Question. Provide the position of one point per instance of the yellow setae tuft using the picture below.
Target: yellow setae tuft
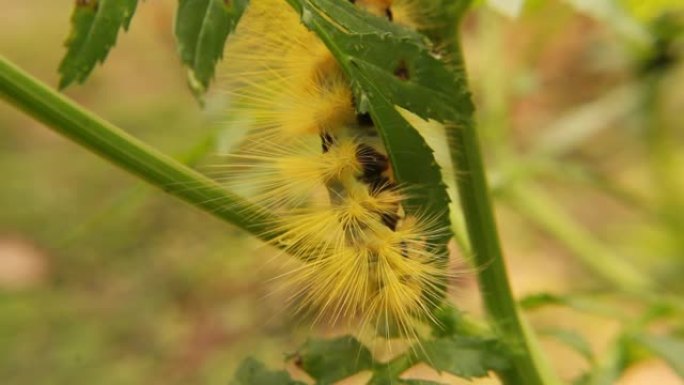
(319, 165)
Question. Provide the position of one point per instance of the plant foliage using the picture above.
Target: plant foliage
(332, 360)
(95, 25)
(252, 372)
(389, 67)
(202, 27)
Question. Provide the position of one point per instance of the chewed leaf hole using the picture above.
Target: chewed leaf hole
(388, 14)
(402, 71)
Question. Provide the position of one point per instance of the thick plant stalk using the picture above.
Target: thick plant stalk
(491, 267)
(528, 364)
(125, 151)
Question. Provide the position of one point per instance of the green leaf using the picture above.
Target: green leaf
(582, 379)
(465, 357)
(670, 349)
(451, 321)
(202, 27)
(417, 382)
(252, 372)
(328, 361)
(399, 381)
(538, 300)
(402, 64)
(391, 66)
(95, 25)
(584, 303)
(572, 339)
(651, 9)
(611, 364)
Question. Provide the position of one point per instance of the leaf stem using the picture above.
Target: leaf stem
(110, 142)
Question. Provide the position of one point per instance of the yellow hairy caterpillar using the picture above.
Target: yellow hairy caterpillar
(320, 166)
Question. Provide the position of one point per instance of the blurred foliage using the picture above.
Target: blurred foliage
(652, 9)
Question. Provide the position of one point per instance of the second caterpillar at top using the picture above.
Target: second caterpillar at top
(320, 166)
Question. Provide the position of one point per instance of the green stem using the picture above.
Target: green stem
(528, 364)
(125, 151)
(392, 369)
(129, 201)
(487, 254)
(662, 159)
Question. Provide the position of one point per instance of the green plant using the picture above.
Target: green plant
(369, 50)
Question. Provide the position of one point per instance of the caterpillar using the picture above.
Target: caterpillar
(319, 165)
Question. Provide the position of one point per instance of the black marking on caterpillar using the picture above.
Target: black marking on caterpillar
(404, 251)
(372, 162)
(364, 120)
(327, 141)
(390, 220)
(374, 165)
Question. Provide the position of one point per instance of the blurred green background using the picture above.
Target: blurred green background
(106, 280)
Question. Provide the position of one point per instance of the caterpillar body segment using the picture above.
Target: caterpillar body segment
(321, 167)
